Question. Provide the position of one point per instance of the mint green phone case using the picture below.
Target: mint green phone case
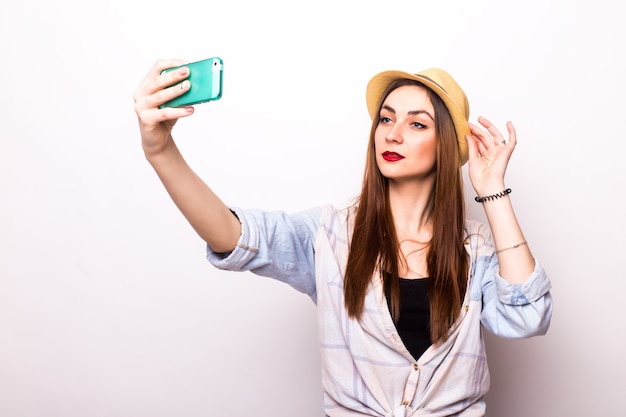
(206, 83)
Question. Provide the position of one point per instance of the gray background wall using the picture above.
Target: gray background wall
(107, 306)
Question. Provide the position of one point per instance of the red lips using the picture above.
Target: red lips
(392, 156)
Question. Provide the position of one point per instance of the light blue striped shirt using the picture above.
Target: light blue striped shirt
(366, 369)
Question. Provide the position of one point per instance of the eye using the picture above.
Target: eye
(418, 125)
(384, 120)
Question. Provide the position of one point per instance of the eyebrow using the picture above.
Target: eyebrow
(411, 112)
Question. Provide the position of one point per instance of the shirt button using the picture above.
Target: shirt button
(405, 403)
(415, 367)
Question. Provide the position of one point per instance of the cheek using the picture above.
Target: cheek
(426, 149)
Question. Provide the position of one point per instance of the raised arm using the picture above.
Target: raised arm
(489, 154)
(204, 210)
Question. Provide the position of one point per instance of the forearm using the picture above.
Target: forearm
(204, 210)
(514, 256)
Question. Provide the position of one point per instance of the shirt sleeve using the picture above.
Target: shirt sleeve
(510, 310)
(275, 244)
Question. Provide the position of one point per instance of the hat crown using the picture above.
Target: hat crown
(449, 86)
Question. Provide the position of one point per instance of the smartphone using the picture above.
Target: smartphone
(206, 83)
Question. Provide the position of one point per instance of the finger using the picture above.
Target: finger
(477, 131)
(512, 134)
(161, 65)
(476, 149)
(155, 80)
(491, 128)
(162, 96)
(484, 139)
(154, 116)
(482, 149)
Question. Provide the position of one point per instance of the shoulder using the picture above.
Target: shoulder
(333, 218)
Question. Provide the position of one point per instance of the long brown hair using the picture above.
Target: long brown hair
(375, 248)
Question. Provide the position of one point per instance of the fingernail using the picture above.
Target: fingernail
(182, 71)
(183, 85)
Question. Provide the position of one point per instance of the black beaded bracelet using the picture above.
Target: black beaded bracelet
(493, 196)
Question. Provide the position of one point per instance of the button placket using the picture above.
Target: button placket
(411, 385)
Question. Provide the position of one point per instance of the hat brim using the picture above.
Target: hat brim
(379, 84)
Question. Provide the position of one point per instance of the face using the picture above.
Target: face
(405, 139)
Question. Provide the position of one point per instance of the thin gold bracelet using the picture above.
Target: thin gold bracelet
(517, 245)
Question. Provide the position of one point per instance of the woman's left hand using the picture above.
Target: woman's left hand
(489, 155)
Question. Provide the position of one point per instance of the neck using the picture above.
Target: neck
(408, 206)
(413, 226)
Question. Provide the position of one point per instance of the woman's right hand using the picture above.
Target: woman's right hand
(208, 215)
(155, 124)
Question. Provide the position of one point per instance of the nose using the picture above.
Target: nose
(394, 134)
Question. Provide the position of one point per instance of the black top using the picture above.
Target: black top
(414, 323)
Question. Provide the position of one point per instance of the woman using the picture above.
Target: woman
(403, 282)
